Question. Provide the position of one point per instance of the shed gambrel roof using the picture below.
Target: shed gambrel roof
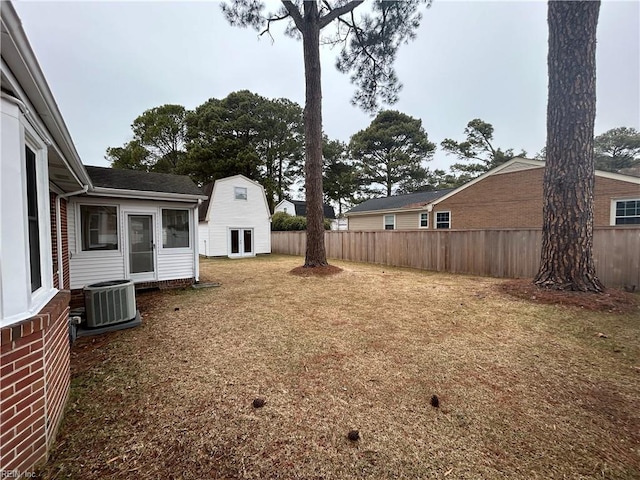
(399, 202)
(203, 208)
(142, 181)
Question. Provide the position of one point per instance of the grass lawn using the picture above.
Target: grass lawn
(526, 391)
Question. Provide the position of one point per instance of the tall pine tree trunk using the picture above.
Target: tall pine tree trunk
(315, 254)
(567, 231)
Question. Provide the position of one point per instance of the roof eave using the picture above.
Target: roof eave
(32, 81)
(145, 195)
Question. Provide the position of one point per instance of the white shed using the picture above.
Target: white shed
(235, 219)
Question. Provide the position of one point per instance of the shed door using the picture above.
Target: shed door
(141, 245)
(241, 242)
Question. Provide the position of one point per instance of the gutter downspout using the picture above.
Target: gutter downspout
(59, 232)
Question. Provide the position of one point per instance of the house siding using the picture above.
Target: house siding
(225, 213)
(404, 221)
(91, 267)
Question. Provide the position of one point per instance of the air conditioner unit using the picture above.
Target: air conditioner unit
(110, 302)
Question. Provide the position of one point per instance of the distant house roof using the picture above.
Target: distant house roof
(301, 209)
(411, 200)
(142, 181)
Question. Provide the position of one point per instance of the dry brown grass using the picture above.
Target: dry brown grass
(526, 391)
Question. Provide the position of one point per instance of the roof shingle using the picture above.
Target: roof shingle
(411, 200)
(142, 181)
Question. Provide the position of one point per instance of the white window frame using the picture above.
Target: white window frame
(43, 294)
(420, 220)
(79, 250)
(384, 221)
(435, 220)
(240, 193)
(613, 211)
(169, 250)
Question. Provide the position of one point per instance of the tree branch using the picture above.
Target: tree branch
(337, 12)
(268, 27)
(295, 13)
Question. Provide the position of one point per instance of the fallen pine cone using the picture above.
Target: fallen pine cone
(435, 401)
(258, 403)
(353, 435)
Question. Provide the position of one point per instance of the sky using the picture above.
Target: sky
(107, 62)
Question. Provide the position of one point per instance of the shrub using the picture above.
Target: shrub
(281, 221)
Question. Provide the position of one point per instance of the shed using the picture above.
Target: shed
(234, 221)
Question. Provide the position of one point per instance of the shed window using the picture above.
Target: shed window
(240, 193)
(175, 228)
(99, 227)
(628, 212)
(32, 214)
(389, 222)
(424, 220)
(443, 219)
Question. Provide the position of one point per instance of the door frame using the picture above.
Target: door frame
(145, 276)
(241, 252)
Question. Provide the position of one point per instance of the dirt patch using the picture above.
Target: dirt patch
(611, 301)
(316, 271)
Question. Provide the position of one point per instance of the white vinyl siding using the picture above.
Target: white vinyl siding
(225, 213)
(95, 266)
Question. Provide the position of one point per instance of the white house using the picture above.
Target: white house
(134, 225)
(235, 219)
(299, 208)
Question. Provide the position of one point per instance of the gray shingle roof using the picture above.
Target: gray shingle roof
(301, 209)
(142, 181)
(412, 200)
(204, 206)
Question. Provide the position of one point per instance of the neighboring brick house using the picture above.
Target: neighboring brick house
(509, 196)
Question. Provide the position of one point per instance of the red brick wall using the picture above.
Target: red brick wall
(514, 200)
(34, 373)
(54, 241)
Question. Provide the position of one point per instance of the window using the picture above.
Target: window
(389, 222)
(443, 219)
(240, 193)
(628, 212)
(424, 220)
(99, 226)
(175, 228)
(32, 215)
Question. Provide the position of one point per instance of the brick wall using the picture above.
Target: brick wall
(514, 200)
(34, 373)
(54, 241)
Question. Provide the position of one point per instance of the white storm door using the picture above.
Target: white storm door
(142, 247)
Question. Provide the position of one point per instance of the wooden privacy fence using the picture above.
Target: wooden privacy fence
(513, 253)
